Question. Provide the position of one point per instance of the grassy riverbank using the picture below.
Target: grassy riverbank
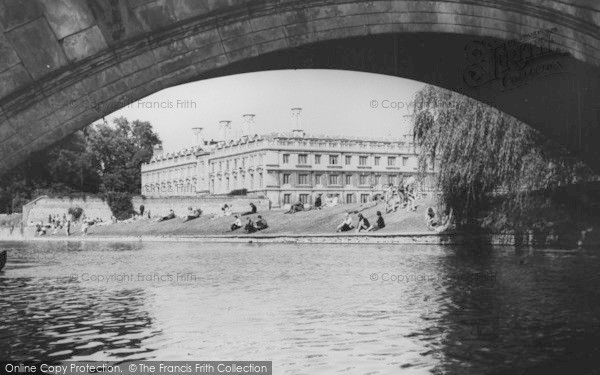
(307, 222)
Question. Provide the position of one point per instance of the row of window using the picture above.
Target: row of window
(242, 162)
(335, 179)
(334, 160)
(306, 198)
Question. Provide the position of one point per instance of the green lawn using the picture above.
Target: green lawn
(307, 222)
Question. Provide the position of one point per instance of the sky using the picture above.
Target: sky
(333, 102)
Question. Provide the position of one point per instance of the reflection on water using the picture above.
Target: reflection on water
(358, 309)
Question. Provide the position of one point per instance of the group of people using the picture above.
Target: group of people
(363, 223)
(438, 222)
(250, 226)
(330, 200)
(56, 224)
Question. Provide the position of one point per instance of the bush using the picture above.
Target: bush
(238, 192)
(120, 204)
(75, 212)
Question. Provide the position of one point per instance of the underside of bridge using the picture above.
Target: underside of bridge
(66, 63)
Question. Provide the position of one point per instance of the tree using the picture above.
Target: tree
(98, 159)
(483, 154)
(121, 150)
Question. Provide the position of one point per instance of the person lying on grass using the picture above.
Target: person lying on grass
(253, 210)
(170, 216)
(298, 206)
(193, 214)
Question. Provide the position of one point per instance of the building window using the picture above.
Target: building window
(286, 178)
(348, 179)
(243, 162)
(362, 160)
(349, 197)
(287, 198)
(364, 198)
(377, 160)
(363, 179)
(213, 167)
(227, 165)
(317, 159)
(235, 163)
(220, 165)
(286, 158)
(302, 159)
(348, 159)
(333, 159)
(404, 161)
(333, 179)
(391, 179)
(391, 161)
(318, 179)
(304, 198)
(303, 179)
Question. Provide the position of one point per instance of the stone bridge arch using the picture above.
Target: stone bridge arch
(66, 63)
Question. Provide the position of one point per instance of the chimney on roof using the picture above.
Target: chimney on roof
(225, 130)
(198, 137)
(248, 125)
(296, 123)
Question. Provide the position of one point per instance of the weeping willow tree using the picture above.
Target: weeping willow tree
(491, 166)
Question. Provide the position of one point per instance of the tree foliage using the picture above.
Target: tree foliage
(96, 160)
(483, 154)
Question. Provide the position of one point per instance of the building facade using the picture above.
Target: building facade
(284, 167)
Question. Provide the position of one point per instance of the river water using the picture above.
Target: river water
(377, 309)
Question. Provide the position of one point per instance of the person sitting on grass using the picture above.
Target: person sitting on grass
(363, 224)
(261, 223)
(346, 225)
(298, 206)
(431, 219)
(193, 214)
(380, 221)
(237, 224)
(249, 228)
(252, 210)
(318, 203)
(170, 216)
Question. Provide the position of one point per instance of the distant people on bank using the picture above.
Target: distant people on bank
(261, 223)
(445, 223)
(68, 228)
(227, 211)
(346, 224)
(142, 208)
(380, 221)
(237, 224)
(318, 203)
(331, 200)
(363, 224)
(410, 192)
(253, 210)
(170, 216)
(296, 207)
(249, 228)
(192, 214)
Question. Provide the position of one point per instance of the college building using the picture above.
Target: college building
(283, 167)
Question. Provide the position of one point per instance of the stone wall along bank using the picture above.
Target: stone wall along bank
(93, 207)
